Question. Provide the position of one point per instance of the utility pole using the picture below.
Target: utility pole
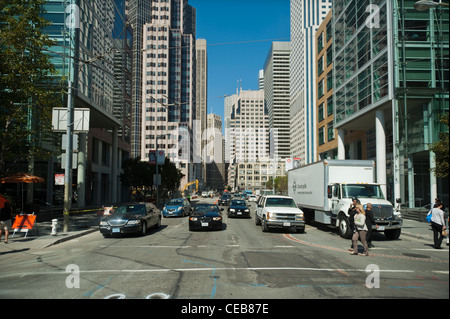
(69, 151)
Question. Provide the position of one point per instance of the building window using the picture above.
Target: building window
(329, 55)
(321, 136)
(321, 113)
(320, 89)
(330, 131)
(320, 43)
(320, 66)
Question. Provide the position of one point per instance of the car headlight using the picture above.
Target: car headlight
(217, 218)
(299, 217)
(247, 210)
(231, 209)
(103, 223)
(194, 219)
(134, 222)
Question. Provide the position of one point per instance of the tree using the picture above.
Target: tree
(441, 151)
(137, 175)
(280, 184)
(170, 178)
(27, 89)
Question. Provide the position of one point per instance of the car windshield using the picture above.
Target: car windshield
(174, 202)
(226, 196)
(280, 202)
(238, 203)
(362, 191)
(133, 209)
(202, 209)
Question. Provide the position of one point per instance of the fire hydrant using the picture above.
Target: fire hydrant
(54, 227)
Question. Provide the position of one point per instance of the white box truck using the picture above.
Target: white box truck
(324, 190)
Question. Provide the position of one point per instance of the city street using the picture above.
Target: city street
(239, 262)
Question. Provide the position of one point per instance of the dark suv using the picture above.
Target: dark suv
(224, 200)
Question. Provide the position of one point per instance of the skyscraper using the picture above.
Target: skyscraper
(276, 96)
(201, 108)
(306, 16)
(168, 86)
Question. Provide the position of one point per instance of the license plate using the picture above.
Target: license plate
(380, 227)
(287, 224)
(115, 230)
(239, 213)
(205, 224)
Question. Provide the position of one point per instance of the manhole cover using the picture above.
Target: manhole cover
(415, 255)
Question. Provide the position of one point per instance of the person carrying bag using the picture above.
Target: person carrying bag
(360, 231)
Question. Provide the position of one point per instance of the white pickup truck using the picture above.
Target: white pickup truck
(276, 211)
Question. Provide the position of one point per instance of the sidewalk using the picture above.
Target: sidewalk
(87, 222)
(40, 237)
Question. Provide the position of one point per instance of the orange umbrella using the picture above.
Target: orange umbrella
(22, 178)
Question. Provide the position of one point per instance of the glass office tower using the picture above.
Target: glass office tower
(391, 79)
(93, 50)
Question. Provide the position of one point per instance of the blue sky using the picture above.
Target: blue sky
(224, 22)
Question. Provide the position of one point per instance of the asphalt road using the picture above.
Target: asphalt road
(240, 263)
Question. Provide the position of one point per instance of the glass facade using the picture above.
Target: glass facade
(391, 63)
(94, 51)
(361, 57)
(422, 96)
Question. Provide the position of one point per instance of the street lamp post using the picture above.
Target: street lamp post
(425, 5)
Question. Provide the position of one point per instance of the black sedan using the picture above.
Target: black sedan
(205, 216)
(238, 208)
(131, 218)
(224, 199)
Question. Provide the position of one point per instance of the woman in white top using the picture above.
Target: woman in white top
(360, 231)
(437, 224)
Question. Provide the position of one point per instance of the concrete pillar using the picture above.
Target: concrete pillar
(381, 150)
(341, 146)
(81, 169)
(411, 190)
(114, 166)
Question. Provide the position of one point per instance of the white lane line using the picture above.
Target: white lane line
(207, 269)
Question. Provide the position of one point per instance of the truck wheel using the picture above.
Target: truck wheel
(344, 227)
(392, 234)
(264, 227)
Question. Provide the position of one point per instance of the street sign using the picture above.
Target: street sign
(65, 140)
(80, 119)
(74, 160)
(59, 179)
(152, 157)
(160, 156)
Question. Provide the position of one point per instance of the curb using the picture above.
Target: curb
(70, 237)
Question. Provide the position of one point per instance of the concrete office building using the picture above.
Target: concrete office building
(138, 13)
(391, 80)
(201, 110)
(214, 154)
(306, 16)
(251, 163)
(276, 95)
(168, 85)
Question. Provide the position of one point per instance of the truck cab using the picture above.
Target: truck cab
(340, 199)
